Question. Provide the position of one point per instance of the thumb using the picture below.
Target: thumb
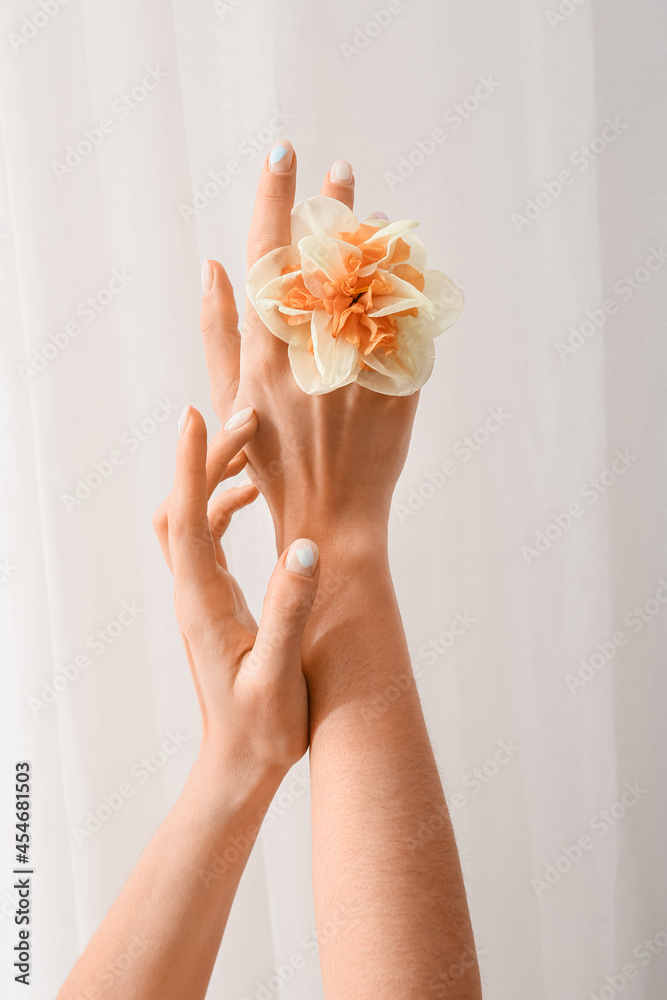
(287, 606)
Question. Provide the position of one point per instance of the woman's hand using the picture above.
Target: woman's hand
(251, 688)
(327, 465)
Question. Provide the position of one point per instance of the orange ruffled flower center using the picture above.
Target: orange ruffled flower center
(349, 299)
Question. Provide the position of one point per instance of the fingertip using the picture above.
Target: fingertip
(242, 417)
(190, 421)
(302, 557)
(281, 158)
(341, 172)
(339, 183)
(218, 291)
(183, 420)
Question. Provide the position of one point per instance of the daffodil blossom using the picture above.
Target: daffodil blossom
(353, 300)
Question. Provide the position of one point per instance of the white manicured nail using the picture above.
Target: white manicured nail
(341, 172)
(183, 420)
(207, 277)
(302, 557)
(240, 418)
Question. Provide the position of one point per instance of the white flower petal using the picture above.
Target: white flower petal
(303, 364)
(404, 296)
(446, 298)
(388, 235)
(336, 358)
(269, 267)
(417, 256)
(263, 274)
(273, 294)
(403, 372)
(322, 216)
(322, 255)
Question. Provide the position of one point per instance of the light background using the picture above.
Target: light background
(457, 549)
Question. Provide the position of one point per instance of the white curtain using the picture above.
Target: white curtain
(528, 533)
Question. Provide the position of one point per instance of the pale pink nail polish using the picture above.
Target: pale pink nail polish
(302, 557)
(239, 419)
(207, 277)
(378, 215)
(341, 172)
(184, 420)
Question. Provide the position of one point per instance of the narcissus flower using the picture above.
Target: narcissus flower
(353, 300)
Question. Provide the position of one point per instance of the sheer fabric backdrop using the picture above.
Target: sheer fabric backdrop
(529, 140)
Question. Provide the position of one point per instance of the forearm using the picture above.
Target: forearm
(161, 937)
(398, 904)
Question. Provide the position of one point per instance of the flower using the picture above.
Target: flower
(353, 300)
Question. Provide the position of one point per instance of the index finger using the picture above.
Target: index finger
(190, 542)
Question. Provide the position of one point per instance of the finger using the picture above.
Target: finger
(223, 459)
(339, 183)
(222, 509)
(161, 528)
(287, 605)
(270, 226)
(219, 324)
(190, 543)
(218, 468)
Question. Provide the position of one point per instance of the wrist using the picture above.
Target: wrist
(349, 545)
(234, 779)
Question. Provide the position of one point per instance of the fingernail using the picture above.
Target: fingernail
(302, 557)
(341, 172)
(240, 418)
(280, 158)
(183, 420)
(207, 277)
(379, 215)
(245, 482)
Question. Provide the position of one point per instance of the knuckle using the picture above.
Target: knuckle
(289, 612)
